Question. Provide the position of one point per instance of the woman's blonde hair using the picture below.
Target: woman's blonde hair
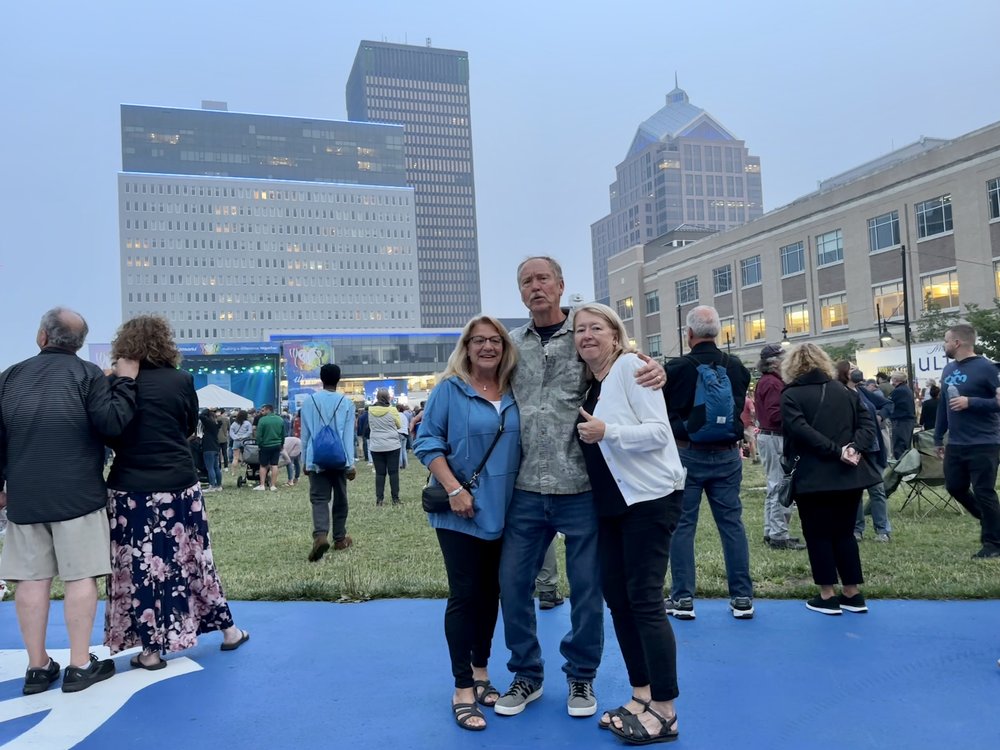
(458, 362)
(803, 358)
(623, 345)
(146, 338)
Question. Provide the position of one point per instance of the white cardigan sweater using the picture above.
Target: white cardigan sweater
(638, 444)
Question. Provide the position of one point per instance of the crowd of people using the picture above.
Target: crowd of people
(557, 427)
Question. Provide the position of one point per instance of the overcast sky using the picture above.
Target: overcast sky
(558, 90)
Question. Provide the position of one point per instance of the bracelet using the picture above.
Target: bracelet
(456, 491)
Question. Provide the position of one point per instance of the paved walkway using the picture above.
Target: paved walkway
(908, 675)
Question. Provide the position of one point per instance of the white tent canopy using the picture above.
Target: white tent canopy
(215, 397)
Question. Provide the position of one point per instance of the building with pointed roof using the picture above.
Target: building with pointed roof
(682, 167)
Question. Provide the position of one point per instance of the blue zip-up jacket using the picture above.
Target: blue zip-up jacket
(976, 378)
(459, 424)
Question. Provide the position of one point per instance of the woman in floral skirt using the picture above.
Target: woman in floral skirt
(164, 590)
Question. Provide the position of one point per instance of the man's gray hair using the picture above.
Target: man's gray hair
(62, 331)
(704, 322)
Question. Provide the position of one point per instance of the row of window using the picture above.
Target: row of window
(153, 261)
(225, 227)
(267, 298)
(245, 193)
(261, 246)
(146, 279)
(271, 211)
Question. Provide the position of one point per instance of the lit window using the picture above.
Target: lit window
(797, 319)
(687, 290)
(940, 289)
(727, 331)
(833, 311)
(933, 216)
(624, 308)
(829, 248)
(722, 279)
(883, 232)
(887, 299)
(996, 277)
(754, 328)
(750, 271)
(793, 259)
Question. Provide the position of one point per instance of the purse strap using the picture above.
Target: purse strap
(468, 484)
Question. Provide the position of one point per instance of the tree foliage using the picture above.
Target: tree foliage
(986, 320)
(839, 352)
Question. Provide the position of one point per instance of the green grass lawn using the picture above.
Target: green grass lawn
(261, 541)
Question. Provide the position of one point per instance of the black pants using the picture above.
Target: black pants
(635, 548)
(386, 462)
(473, 567)
(828, 528)
(975, 465)
(322, 486)
(902, 436)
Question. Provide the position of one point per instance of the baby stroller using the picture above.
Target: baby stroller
(251, 460)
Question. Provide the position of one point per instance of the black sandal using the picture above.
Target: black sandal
(482, 689)
(465, 711)
(634, 733)
(621, 712)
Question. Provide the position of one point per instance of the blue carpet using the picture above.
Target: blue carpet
(910, 674)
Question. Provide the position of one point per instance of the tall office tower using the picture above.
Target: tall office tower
(427, 90)
(683, 167)
(239, 226)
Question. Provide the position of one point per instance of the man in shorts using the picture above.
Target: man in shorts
(54, 408)
(270, 435)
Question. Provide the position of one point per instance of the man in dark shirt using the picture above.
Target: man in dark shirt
(904, 414)
(713, 467)
(54, 410)
(970, 414)
(770, 446)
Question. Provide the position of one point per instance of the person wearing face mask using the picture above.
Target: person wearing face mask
(637, 482)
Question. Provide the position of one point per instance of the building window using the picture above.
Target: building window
(727, 331)
(652, 302)
(722, 279)
(993, 197)
(750, 271)
(996, 277)
(754, 328)
(933, 216)
(624, 307)
(941, 289)
(653, 346)
(883, 232)
(687, 290)
(793, 259)
(888, 299)
(797, 319)
(829, 248)
(833, 311)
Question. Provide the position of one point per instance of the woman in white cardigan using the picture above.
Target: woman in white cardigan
(637, 478)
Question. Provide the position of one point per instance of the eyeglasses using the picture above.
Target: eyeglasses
(480, 340)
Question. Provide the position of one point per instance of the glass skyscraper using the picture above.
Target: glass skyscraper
(427, 91)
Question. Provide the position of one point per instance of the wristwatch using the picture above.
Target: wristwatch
(456, 491)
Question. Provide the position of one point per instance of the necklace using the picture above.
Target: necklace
(479, 385)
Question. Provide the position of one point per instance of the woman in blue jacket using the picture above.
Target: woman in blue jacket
(463, 414)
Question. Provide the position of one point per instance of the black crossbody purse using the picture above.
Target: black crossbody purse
(434, 497)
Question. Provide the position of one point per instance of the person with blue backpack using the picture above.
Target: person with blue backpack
(705, 393)
(327, 431)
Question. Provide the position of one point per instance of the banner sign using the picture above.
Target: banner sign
(303, 359)
(234, 347)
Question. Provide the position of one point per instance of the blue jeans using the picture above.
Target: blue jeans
(212, 467)
(879, 509)
(532, 522)
(718, 474)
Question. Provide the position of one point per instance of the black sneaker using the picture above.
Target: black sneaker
(987, 552)
(39, 679)
(829, 606)
(741, 607)
(549, 599)
(794, 544)
(76, 679)
(682, 608)
(854, 603)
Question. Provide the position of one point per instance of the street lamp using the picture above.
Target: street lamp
(728, 342)
(883, 324)
(784, 337)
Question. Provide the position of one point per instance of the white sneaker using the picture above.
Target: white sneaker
(259, 488)
(273, 488)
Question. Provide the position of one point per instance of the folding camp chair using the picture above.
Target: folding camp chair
(925, 488)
